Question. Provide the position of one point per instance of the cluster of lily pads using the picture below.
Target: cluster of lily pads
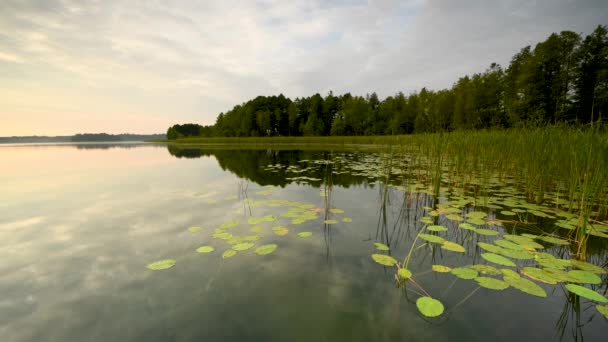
(297, 214)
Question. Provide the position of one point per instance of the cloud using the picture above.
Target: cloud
(183, 61)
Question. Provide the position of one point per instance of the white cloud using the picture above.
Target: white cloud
(187, 60)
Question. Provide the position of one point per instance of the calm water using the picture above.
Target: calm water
(79, 224)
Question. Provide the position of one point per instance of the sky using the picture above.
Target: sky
(136, 66)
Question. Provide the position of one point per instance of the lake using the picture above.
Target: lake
(83, 225)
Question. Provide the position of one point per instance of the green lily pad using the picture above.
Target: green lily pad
(243, 246)
(280, 230)
(436, 228)
(603, 309)
(385, 260)
(539, 275)
(508, 213)
(256, 229)
(427, 220)
(508, 244)
(477, 222)
(586, 293)
(347, 220)
(476, 215)
(222, 235)
(487, 232)
(524, 241)
(229, 253)
(497, 259)
(525, 285)
(330, 221)
(305, 234)
(194, 229)
(454, 217)
(466, 226)
(548, 260)
(585, 277)
(266, 249)
(585, 266)
(205, 249)
(441, 268)
(429, 307)
(404, 273)
(336, 211)
(161, 264)
(490, 247)
(464, 273)
(560, 275)
(453, 246)
(491, 283)
(485, 269)
(432, 238)
(509, 273)
(381, 246)
(229, 224)
(515, 254)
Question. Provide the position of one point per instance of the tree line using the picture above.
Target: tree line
(563, 79)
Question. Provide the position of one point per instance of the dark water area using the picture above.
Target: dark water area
(79, 224)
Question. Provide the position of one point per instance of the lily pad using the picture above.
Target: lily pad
(347, 220)
(560, 275)
(243, 246)
(381, 246)
(454, 217)
(539, 275)
(385, 260)
(161, 264)
(330, 221)
(205, 249)
(487, 232)
(585, 266)
(508, 213)
(509, 273)
(586, 293)
(432, 238)
(585, 277)
(525, 285)
(229, 224)
(194, 229)
(304, 234)
(464, 273)
(266, 249)
(429, 307)
(453, 246)
(485, 269)
(477, 222)
(229, 253)
(441, 268)
(436, 228)
(404, 273)
(466, 226)
(490, 247)
(280, 230)
(256, 229)
(497, 259)
(603, 309)
(508, 244)
(491, 283)
(336, 211)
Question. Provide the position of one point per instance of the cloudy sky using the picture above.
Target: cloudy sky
(114, 66)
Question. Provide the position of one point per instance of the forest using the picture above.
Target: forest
(563, 79)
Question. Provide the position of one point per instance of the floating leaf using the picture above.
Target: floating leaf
(385, 260)
(454, 217)
(603, 309)
(466, 226)
(222, 235)
(585, 266)
(491, 283)
(515, 254)
(548, 260)
(560, 275)
(476, 215)
(524, 241)
(161, 264)
(243, 246)
(194, 229)
(229, 253)
(336, 211)
(381, 246)
(508, 213)
(280, 230)
(539, 275)
(526, 286)
(452, 246)
(431, 238)
(304, 234)
(487, 232)
(205, 249)
(441, 268)
(266, 249)
(229, 224)
(586, 293)
(404, 273)
(485, 269)
(585, 277)
(330, 221)
(427, 220)
(256, 229)
(464, 273)
(436, 228)
(497, 259)
(478, 222)
(347, 220)
(508, 244)
(429, 307)
(490, 247)
(509, 273)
